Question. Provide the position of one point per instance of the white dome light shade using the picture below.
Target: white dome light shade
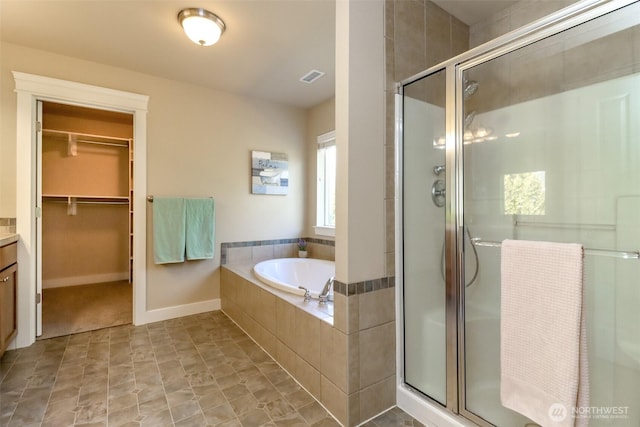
(201, 26)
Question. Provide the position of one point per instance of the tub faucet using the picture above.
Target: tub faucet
(324, 295)
(307, 294)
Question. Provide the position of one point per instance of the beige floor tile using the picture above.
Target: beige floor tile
(196, 370)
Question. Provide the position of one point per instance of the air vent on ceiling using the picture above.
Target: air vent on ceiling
(311, 76)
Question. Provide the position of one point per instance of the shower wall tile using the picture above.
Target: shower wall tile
(558, 66)
(494, 90)
(390, 105)
(418, 34)
(391, 263)
(378, 341)
(389, 49)
(390, 218)
(459, 36)
(377, 308)
(526, 85)
(591, 62)
(438, 34)
(524, 13)
(491, 28)
(636, 48)
(409, 35)
(353, 310)
(354, 409)
(389, 11)
(389, 160)
(334, 357)
(437, 90)
(377, 398)
(353, 357)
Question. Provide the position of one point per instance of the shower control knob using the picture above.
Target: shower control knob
(438, 193)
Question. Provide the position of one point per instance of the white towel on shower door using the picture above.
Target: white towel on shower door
(543, 350)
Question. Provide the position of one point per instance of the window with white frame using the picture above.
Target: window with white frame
(326, 189)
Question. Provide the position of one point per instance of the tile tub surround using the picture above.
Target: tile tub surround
(255, 251)
(346, 361)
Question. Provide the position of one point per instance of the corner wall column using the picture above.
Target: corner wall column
(364, 300)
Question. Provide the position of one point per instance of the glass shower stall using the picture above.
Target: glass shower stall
(532, 136)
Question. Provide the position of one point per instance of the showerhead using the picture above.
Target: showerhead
(470, 87)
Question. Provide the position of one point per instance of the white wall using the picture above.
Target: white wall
(199, 142)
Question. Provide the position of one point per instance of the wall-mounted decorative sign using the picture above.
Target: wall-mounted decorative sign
(269, 173)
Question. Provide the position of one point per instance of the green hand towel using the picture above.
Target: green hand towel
(168, 230)
(200, 227)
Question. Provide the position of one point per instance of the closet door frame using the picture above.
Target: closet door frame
(30, 89)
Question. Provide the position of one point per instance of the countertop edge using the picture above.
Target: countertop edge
(8, 238)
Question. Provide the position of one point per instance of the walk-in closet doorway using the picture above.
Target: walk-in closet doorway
(85, 231)
(30, 89)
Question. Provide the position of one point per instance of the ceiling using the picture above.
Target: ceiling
(267, 47)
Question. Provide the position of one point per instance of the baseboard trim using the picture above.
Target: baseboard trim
(167, 313)
(84, 280)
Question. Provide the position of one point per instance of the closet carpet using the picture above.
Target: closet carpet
(75, 309)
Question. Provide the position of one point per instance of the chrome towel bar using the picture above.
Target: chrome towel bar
(476, 241)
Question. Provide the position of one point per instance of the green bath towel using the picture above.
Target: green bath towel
(168, 230)
(200, 228)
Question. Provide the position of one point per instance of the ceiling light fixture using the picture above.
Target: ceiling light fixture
(201, 26)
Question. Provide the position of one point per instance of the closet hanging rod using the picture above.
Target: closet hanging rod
(110, 144)
(476, 241)
(88, 135)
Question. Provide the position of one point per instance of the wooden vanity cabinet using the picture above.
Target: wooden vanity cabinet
(8, 292)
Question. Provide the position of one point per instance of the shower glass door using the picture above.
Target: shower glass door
(423, 233)
(551, 152)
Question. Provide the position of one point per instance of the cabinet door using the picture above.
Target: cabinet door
(7, 305)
